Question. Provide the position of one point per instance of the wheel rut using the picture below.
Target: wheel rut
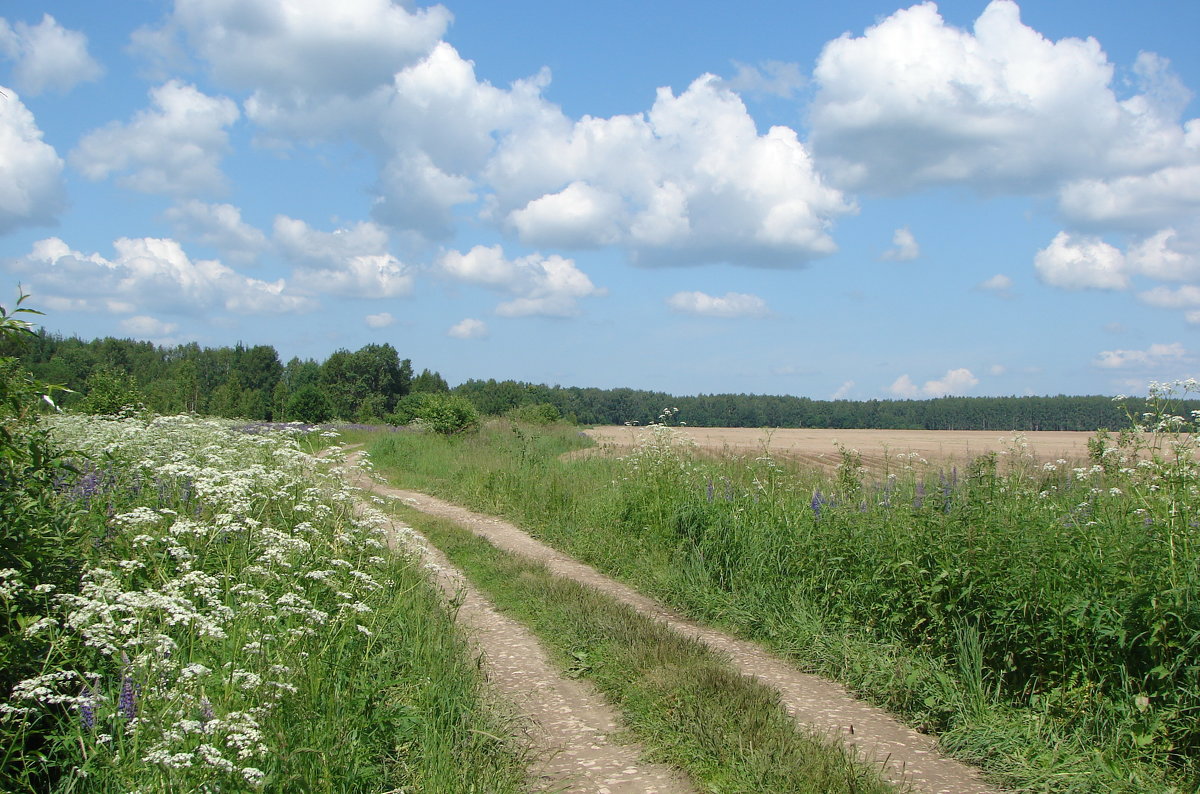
(573, 733)
(905, 756)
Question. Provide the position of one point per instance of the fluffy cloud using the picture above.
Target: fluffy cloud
(916, 102)
(218, 225)
(904, 246)
(1081, 263)
(381, 320)
(468, 328)
(955, 381)
(1186, 297)
(732, 304)
(301, 243)
(689, 182)
(438, 129)
(1154, 356)
(147, 274)
(351, 262)
(32, 192)
(47, 55)
(378, 276)
(173, 148)
(288, 50)
(577, 216)
(145, 327)
(550, 286)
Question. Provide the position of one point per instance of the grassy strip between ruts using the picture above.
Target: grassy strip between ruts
(690, 707)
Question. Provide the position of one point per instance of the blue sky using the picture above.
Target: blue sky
(861, 199)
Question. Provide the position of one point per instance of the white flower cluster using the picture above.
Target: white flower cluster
(199, 605)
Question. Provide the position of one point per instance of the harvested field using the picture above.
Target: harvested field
(819, 447)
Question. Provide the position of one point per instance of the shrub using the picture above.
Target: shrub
(309, 405)
(448, 414)
(111, 392)
(534, 414)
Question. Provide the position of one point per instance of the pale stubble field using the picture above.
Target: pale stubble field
(820, 447)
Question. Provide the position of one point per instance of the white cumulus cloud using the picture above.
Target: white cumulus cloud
(381, 320)
(550, 286)
(915, 101)
(174, 147)
(904, 246)
(32, 192)
(690, 181)
(218, 225)
(1075, 263)
(468, 328)
(954, 382)
(1155, 355)
(47, 55)
(731, 304)
(147, 274)
(143, 326)
(305, 46)
(352, 261)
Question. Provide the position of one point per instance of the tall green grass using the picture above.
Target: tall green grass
(1045, 619)
(238, 626)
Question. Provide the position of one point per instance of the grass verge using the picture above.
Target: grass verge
(727, 731)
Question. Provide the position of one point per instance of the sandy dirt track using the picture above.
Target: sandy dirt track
(820, 446)
(575, 736)
(573, 727)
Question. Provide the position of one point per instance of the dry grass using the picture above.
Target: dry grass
(819, 447)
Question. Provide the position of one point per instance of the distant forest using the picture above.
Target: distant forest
(369, 385)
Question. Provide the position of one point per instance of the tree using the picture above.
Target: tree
(429, 382)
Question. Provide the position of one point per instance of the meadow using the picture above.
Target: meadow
(226, 619)
(1042, 616)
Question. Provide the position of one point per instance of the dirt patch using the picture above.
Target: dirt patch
(877, 447)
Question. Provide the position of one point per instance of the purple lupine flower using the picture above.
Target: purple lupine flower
(711, 489)
(207, 714)
(127, 703)
(87, 708)
(817, 501)
(919, 496)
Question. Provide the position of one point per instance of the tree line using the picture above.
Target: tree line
(1003, 414)
(375, 384)
(239, 381)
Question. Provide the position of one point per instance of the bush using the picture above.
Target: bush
(448, 414)
(309, 405)
(111, 392)
(534, 414)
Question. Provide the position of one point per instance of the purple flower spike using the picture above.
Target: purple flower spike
(87, 708)
(127, 703)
